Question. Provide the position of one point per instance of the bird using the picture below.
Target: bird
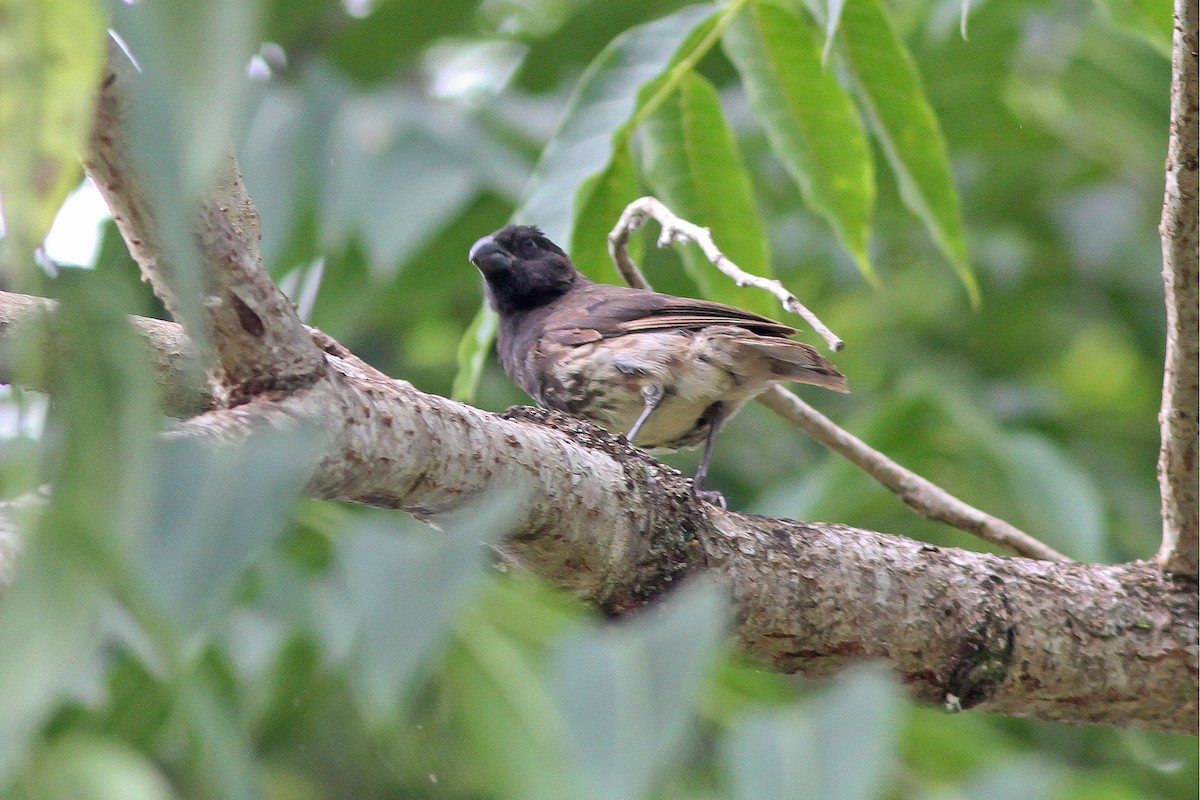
(665, 371)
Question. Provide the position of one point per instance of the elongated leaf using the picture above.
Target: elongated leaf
(773, 756)
(1028, 778)
(184, 104)
(857, 720)
(50, 58)
(907, 129)
(509, 720)
(223, 762)
(809, 119)
(472, 353)
(616, 187)
(403, 589)
(1054, 495)
(693, 165)
(627, 693)
(48, 624)
(1150, 20)
(599, 111)
(836, 748)
(98, 436)
(83, 767)
(213, 510)
(381, 157)
(833, 17)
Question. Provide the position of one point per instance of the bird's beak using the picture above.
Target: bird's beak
(487, 255)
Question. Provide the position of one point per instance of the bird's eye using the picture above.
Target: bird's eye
(528, 247)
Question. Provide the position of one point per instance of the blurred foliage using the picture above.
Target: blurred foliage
(181, 625)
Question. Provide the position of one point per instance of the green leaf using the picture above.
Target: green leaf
(627, 693)
(401, 592)
(381, 157)
(833, 16)
(184, 104)
(271, 160)
(1062, 505)
(508, 719)
(1149, 20)
(693, 166)
(213, 509)
(105, 416)
(772, 755)
(838, 747)
(473, 350)
(82, 767)
(98, 437)
(615, 188)
(1027, 778)
(192, 83)
(858, 721)
(809, 119)
(907, 129)
(600, 111)
(50, 60)
(222, 757)
(48, 623)
(371, 47)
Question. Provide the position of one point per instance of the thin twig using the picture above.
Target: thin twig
(919, 494)
(675, 229)
(1177, 468)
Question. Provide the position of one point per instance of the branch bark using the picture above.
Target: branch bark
(614, 526)
(1177, 469)
(1072, 642)
(253, 341)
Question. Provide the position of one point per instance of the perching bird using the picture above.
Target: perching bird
(666, 371)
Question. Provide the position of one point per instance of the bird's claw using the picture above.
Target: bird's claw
(712, 496)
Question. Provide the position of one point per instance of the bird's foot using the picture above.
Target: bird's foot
(711, 496)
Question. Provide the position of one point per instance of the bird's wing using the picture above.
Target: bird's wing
(616, 313)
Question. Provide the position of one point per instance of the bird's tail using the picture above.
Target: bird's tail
(793, 361)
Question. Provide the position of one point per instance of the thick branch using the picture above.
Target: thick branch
(1071, 642)
(253, 339)
(181, 391)
(1177, 469)
(618, 528)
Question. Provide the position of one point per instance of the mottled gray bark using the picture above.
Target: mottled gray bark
(1177, 469)
(1072, 642)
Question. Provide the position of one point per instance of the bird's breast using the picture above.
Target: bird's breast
(603, 382)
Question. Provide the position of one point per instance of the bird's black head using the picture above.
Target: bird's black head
(522, 269)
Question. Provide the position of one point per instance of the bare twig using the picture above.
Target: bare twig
(919, 494)
(675, 229)
(1177, 469)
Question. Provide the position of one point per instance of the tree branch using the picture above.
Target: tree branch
(614, 526)
(618, 528)
(919, 494)
(1177, 469)
(253, 340)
